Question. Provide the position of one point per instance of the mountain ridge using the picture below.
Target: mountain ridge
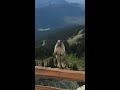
(57, 17)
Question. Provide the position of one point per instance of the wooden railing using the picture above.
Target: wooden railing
(58, 74)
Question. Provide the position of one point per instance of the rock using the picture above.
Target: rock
(81, 88)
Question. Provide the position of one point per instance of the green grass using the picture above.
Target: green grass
(80, 62)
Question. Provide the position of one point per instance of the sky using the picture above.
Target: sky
(81, 2)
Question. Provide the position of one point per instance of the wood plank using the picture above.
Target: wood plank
(60, 73)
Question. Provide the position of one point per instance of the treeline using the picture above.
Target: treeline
(43, 52)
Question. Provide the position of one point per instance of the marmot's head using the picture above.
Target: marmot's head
(59, 42)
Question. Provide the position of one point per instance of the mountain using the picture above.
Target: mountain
(58, 14)
(77, 43)
(53, 35)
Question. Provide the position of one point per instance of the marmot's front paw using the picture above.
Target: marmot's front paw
(59, 67)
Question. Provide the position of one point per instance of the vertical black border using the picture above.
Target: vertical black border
(99, 28)
(91, 44)
(21, 45)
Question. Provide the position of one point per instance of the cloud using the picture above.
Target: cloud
(76, 1)
(74, 20)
